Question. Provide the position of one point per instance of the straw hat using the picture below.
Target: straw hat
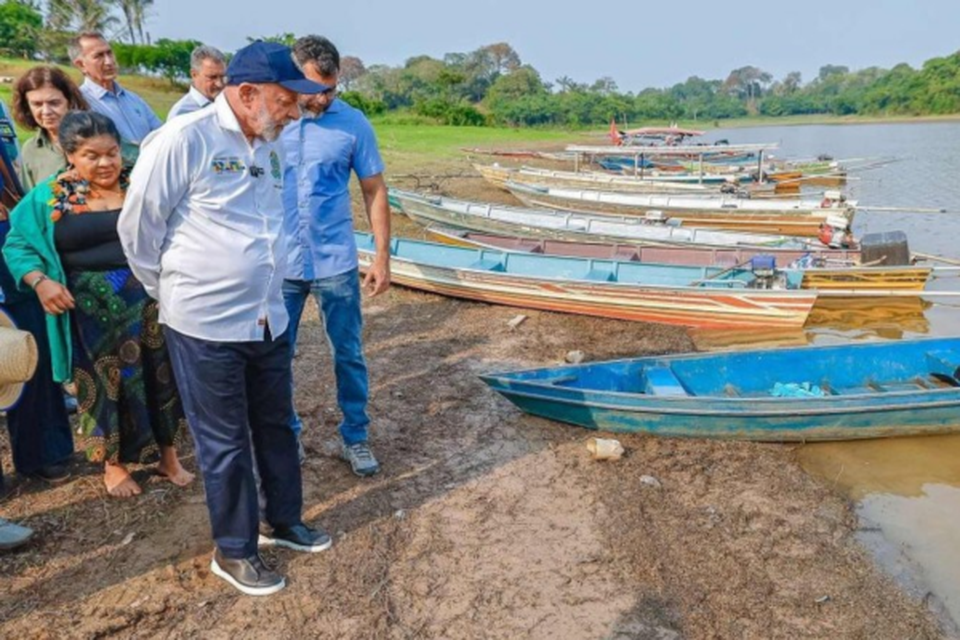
(18, 360)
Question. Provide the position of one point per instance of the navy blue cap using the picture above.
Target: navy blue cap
(271, 63)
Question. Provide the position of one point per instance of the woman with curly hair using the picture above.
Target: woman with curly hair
(63, 244)
(41, 97)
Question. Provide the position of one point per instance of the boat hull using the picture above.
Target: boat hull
(864, 390)
(786, 426)
(705, 307)
(748, 216)
(847, 277)
(550, 223)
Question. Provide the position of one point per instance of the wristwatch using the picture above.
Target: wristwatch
(40, 278)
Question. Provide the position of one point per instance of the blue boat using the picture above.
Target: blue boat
(846, 392)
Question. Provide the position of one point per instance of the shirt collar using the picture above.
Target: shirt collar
(42, 139)
(198, 97)
(226, 118)
(335, 107)
(98, 90)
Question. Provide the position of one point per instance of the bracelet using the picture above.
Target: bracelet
(40, 278)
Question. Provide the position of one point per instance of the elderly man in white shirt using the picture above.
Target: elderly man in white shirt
(202, 227)
(207, 76)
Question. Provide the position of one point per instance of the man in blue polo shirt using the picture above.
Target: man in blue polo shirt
(92, 54)
(322, 149)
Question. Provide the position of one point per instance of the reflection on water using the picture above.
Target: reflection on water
(900, 466)
(887, 318)
(908, 488)
(716, 340)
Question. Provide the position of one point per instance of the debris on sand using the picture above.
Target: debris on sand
(605, 449)
(650, 481)
(517, 321)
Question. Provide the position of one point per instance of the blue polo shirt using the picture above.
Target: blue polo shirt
(134, 117)
(321, 153)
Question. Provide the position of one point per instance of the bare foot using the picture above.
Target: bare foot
(170, 468)
(120, 484)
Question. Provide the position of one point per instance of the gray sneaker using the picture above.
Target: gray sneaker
(360, 458)
(13, 535)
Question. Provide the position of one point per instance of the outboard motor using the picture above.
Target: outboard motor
(835, 232)
(888, 248)
(764, 268)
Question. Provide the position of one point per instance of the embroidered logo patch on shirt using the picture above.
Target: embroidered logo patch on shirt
(275, 165)
(227, 165)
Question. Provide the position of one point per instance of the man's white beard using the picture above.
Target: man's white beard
(270, 128)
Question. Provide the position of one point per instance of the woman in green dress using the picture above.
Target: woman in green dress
(41, 97)
(102, 326)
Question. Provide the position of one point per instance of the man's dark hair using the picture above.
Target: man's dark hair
(319, 51)
(79, 126)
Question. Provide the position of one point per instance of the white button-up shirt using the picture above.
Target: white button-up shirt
(191, 101)
(202, 227)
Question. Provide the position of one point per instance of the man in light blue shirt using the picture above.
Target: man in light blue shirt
(92, 54)
(322, 149)
(208, 68)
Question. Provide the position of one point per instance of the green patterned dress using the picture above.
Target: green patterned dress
(128, 400)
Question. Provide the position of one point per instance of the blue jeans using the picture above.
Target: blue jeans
(338, 298)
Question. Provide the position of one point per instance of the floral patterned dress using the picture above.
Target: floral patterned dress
(127, 396)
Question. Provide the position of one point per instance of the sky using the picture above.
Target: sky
(639, 44)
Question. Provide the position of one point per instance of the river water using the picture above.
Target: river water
(907, 490)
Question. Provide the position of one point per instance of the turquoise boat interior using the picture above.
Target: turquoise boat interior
(875, 369)
(578, 269)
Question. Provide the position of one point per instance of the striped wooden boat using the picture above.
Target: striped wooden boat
(780, 216)
(560, 225)
(688, 296)
(626, 166)
(825, 271)
(499, 177)
(845, 392)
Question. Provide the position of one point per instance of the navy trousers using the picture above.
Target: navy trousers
(236, 396)
(39, 429)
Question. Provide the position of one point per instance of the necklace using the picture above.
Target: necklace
(70, 196)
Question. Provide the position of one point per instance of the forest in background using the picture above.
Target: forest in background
(491, 85)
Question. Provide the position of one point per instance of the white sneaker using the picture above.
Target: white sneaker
(13, 535)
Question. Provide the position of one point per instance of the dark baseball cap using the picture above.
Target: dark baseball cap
(268, 62)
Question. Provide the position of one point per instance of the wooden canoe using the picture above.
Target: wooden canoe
(551, 223)
(801, 218)
(687, 296)
(851, 391)
(499, 177)
(826, 270)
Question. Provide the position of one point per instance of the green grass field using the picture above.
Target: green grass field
(158, 92)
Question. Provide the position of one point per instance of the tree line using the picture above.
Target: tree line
(492, 86)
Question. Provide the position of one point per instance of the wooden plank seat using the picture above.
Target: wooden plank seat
(487, 265)
(661, 381)
(600, 275)
(944, 364)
